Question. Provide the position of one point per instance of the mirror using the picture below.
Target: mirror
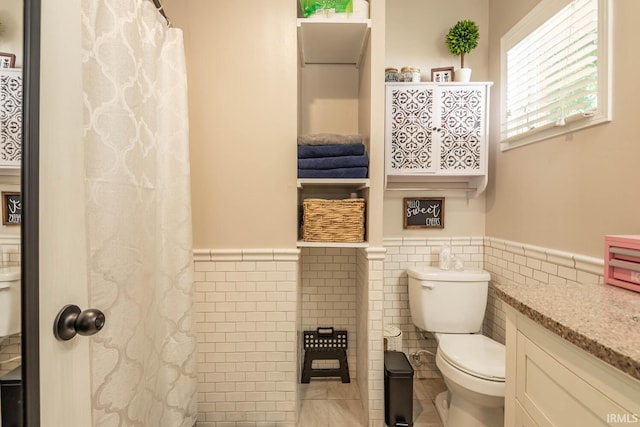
(19, 92)
(11, 103)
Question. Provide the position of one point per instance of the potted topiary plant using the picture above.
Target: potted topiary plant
(463, 38)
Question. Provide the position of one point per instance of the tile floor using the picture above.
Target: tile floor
(329, 403)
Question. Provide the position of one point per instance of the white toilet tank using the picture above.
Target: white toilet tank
(9, 301)
(448, 301)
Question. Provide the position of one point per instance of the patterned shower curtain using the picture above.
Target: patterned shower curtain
(138, 216)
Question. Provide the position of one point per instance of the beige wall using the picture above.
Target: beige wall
(416, 32)
(241, 62)
(568, 192)
(329, 99)
(11, 29)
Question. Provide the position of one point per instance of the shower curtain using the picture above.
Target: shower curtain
(138, 216)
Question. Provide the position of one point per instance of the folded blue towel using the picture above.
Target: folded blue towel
(309, 151)
(329, 139)
(333, 173)
(334, 162)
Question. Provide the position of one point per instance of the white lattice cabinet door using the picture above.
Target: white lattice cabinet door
(437, 133)
(410, 129)
(462, 130)
(10, 118)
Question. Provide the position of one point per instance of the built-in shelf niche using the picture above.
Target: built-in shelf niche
(332, 41)
(321, 187)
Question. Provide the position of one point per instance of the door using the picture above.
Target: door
(409, 133)
(462, 129)
(65, 394)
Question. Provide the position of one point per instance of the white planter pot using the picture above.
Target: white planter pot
(463, 75)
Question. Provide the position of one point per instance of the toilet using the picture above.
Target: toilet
(451, 305)
(9, 301)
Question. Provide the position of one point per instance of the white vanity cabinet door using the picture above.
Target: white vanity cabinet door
(10, 118)
(436, 129)
(558, 384)
(522, 418)
(553, 395)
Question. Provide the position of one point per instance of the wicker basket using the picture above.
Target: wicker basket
(333, 220)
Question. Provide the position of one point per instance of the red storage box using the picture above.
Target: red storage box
(622, 261)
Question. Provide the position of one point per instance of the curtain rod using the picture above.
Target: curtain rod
(160, 9)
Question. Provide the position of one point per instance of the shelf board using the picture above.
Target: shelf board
(473, 183)
(356, 183)
(302, 244)
(10, 170)
(332, 41)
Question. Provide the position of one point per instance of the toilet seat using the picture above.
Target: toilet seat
(474, 354)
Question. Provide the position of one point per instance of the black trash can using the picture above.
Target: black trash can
(398, 389)
(11, 398)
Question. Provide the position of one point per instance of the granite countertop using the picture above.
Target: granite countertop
(601, 319)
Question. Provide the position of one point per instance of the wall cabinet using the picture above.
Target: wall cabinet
(10, 120)
(437, 133)
(550, 382)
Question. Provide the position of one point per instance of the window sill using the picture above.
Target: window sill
(555, 131)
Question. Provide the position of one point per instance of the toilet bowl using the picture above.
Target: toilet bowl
(9, 301)
(451, 304)
(473, 368)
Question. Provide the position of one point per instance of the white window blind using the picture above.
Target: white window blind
(555, 65)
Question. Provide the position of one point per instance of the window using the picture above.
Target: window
(555, 71)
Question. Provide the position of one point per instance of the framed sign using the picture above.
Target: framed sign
(7, 60)
(11, 208)
(442, 75)
(423, 212)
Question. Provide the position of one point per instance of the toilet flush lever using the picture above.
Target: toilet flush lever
(71, 321)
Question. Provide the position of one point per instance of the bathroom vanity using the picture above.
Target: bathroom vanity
(573, 355)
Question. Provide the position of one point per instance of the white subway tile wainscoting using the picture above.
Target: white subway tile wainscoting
(253, 305)
(10, 347)
(246, 320)
(532, 265)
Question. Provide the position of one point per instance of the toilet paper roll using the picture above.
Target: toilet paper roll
(360, 9)
(393, 338)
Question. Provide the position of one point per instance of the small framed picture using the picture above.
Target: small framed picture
(7, 60)
(11, 208)
(422, 212)
(442, 75)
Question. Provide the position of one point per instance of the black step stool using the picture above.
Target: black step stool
(325, 344)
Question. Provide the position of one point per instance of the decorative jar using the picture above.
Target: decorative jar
(391, 74)
(410, 74)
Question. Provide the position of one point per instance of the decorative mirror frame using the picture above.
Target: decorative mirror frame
(30, 215)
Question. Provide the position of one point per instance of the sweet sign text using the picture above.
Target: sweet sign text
(423, 212)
